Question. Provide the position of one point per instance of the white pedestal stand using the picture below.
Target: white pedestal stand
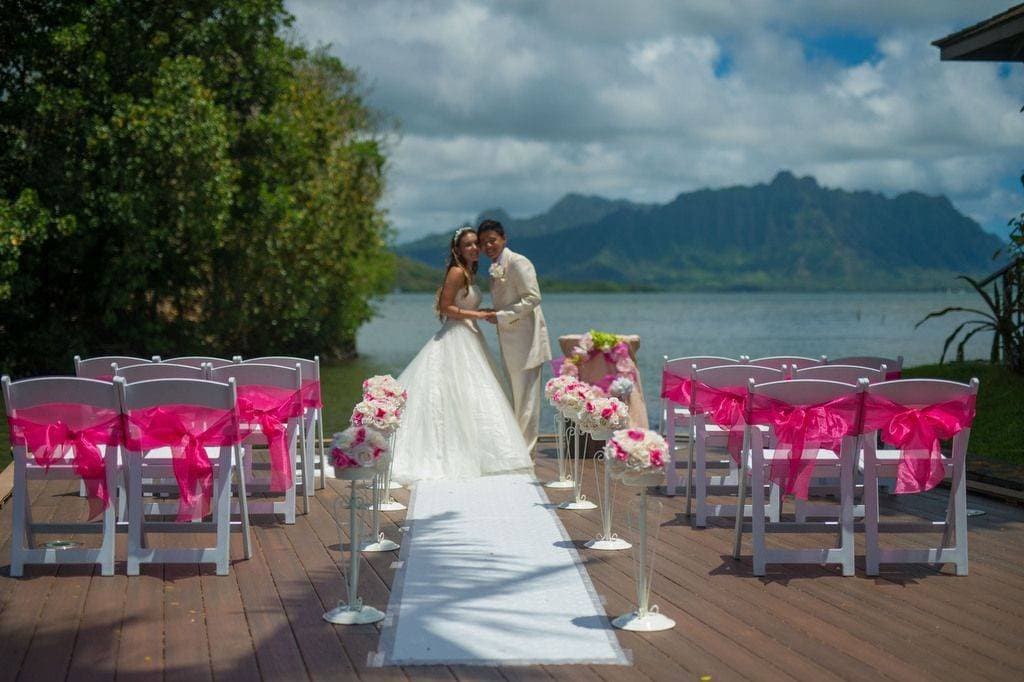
(645, 618)
(607, 540)
(352, 612)
(386, 502)
(563, 480)
(377, 542)
(580, 501)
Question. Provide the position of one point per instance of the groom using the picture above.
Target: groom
(522, 332)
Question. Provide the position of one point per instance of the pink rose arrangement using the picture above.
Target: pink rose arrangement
(383, 415)
(637, 449)
(603, 414)
(615, 350)
(570, 400)
(555, 385)
(358, 446)
(385, 387)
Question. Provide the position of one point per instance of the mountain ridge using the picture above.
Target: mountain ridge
(788, 234)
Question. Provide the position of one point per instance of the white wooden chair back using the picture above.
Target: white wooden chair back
(247, 374)
(891, 364)
(90, 368)
(847, 374)
(790, 361)
(159, 370)
(310, 368)
(195, 361)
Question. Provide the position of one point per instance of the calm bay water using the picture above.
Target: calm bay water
(728, 324)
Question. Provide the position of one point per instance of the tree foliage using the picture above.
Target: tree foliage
(179, 177)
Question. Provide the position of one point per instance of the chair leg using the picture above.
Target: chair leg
(320, 445)
(774, 503)
(243, 506)
(135, 516)
(222, 514)
(757, 522)
(689, 475)
(671, 472)
(846, 517)
(959, 485)
(870, 518)
(109, 516)
(20, 516)
(701, 482)
(741, 500)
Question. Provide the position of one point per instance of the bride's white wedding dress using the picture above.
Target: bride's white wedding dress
(457, 422)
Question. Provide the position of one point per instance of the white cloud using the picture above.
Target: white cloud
(515, 104)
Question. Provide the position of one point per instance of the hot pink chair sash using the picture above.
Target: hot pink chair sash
(270, 408)
(311, 393)
(893, 375)
(917, 432)
(675, 388)
(52, 430)
(724, 407)
(800, 431)
(187, 430)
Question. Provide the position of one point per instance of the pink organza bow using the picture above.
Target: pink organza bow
(52, 430)
(800, 431)
(724, 406)
(188, 430)
(311, 393)
(675, 388)
(917, 432)
(270, 408)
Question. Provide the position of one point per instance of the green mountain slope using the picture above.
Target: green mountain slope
(788, 234)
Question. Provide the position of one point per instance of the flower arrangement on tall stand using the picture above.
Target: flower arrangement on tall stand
(385, 388)
(551, 389)
(637, 457)
(383, 415)
(358, 454)
(570, 401)
(598, 419)
(616, 352)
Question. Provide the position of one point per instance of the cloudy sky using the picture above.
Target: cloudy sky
(514, 104)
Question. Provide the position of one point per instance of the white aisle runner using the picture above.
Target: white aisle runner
(489, 577)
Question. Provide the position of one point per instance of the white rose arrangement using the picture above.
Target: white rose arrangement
(637, 449)
(603, 414)
(385, 387)
(357, 446)
(383, 415)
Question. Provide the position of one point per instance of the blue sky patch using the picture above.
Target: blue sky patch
(846, 48)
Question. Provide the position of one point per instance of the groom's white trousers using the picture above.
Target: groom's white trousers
(526, 403)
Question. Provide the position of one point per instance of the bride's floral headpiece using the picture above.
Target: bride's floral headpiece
(460, 231)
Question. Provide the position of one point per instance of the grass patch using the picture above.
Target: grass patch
(998, 431)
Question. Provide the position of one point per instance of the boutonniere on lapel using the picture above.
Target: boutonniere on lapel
(497, 271)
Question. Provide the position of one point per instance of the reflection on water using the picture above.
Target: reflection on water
(677, 324)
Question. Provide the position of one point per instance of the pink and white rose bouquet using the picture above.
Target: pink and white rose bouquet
(358, 446)
(570, 400)
(603, 414)
(385, 387)
(383, 415)
(559, 383)
(637, 449)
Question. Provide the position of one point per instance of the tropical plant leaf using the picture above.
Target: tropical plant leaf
(952, 309)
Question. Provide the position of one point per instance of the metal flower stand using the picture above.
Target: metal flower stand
(580, 501)
(385, 502)
(646, 618)
(377, 542)
(563, 479)
(353, 611)
(607, 540)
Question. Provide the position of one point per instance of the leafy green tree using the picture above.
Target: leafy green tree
(178, 177)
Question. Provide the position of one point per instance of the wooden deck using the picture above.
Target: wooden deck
(264, 620)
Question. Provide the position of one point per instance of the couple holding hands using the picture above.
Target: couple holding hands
(458, 422)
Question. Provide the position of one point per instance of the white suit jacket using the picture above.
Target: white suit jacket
(522, 331)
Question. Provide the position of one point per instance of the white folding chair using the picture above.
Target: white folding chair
(893, 366)
(675, 418)
(757, 461)
(33, 403)
(99, 367)
(195, 361)
(921, 395)
(845, 374)
(705, 434)
(312, 423)
(157, 462)
(277, 377)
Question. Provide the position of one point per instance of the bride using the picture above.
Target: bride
(457, 422)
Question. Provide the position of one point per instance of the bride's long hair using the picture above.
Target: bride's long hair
(455, 261)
